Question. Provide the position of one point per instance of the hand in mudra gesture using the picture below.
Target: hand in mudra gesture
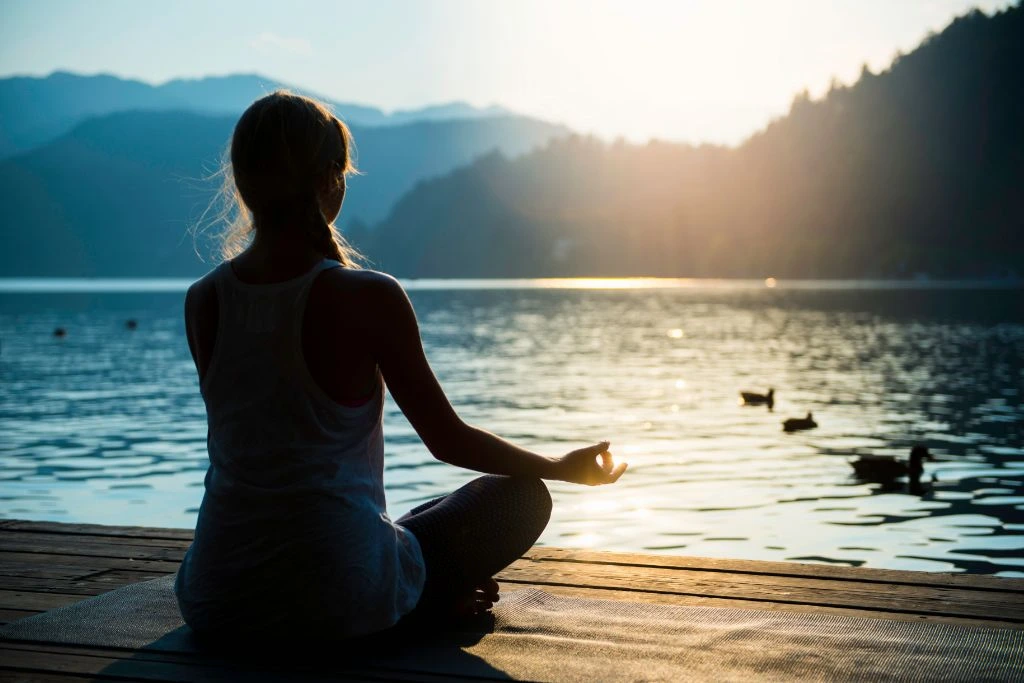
(582, 467)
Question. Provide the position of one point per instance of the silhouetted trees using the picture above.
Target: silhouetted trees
(915, 170)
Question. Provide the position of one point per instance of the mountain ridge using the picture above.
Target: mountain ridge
(35, 110)
(118, 193)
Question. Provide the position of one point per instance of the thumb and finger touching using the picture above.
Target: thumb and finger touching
(593, 471)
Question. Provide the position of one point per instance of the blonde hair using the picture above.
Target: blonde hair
(283, 149)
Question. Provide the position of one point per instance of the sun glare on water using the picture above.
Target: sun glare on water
(611, 282)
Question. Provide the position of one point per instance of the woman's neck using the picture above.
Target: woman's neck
(273, 259)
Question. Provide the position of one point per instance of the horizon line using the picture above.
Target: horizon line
(140, 285)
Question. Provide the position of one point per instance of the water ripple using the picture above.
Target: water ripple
(106, 425)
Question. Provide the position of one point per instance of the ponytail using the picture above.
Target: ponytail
(323, 236)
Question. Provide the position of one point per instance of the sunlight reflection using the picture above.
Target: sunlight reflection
(770, 282)
(600, 506)
(676, 333)
(613, 283)
(586, 540)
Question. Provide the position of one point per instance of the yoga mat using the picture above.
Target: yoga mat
(538, 636)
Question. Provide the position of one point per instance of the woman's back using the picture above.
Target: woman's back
(292, 537)
(334, 329)
(295, 478)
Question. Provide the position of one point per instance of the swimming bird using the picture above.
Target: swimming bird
(751, 398)
(60, 332)
(131, 324)
(883, 468)
(795, 424)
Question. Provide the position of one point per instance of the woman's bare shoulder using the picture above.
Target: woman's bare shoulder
(368, 300)
(361, 276)
(201, 294)
(370, 287)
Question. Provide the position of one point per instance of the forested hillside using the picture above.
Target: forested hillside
(919, 169)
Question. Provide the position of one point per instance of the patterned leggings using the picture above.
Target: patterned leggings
(476, 531)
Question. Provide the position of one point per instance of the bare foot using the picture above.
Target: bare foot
(478, 600)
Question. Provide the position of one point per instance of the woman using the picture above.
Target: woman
(293, 345)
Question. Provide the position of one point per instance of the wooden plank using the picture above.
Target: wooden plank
(9, 615)
(21, 559)
(154, 665)
(13, 536)
(57, 573)
(30, 600)
(859, 574)
(36, 677)
(114, 578)
(879, 580)
(92, 546)
(27, 565)
(740, 603)
(94, 585)
(97, 530)
(44, 585)
(771, 588)
(112, 667)
(203, 658)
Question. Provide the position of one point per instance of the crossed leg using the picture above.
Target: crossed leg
(470, 535)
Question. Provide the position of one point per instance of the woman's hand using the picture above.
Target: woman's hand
(581, 466)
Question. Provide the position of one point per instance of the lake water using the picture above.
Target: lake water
(106, 424)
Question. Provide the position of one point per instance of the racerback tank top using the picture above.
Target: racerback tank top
(292, 532)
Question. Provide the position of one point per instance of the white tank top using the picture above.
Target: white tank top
(292, 531)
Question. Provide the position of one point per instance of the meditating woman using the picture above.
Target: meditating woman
(293, 345)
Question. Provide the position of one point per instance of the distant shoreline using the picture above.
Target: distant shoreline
(61, 285)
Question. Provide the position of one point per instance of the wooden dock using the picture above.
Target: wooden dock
(45, 565)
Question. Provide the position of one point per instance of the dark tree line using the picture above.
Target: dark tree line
(915, 170)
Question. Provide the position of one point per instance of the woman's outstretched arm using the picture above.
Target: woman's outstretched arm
(399, 353)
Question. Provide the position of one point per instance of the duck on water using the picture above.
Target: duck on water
(751, 398)
(795, 424)
(886, 468)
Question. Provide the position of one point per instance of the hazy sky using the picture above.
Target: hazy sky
(696, 70)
